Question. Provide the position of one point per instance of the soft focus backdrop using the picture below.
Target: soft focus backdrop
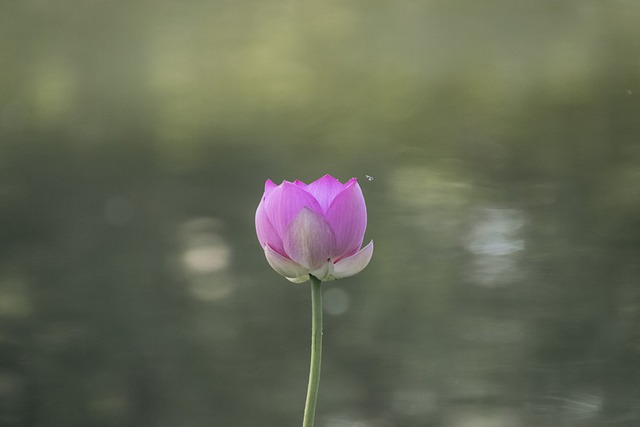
(498, 148)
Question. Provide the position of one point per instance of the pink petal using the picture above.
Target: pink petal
(284, 202)
(348, 218)
(268, 187)
(309, 239)
(348, 183)
(267, 235)
(353, 264)
(325, 190)
(284, 266)
(300, 183)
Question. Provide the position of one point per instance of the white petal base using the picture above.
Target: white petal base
(353, 264)
(297, 273)
(286, 267)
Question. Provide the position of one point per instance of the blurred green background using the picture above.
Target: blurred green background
(498, 148)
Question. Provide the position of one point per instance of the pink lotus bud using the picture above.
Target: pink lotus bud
(314, 229)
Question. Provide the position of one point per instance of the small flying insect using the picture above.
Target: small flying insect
(369, 177)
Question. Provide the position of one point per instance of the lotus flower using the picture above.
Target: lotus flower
(314, 229)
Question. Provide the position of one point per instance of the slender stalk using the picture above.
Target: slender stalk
(316, 352)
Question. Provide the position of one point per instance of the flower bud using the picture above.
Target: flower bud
(314, 229)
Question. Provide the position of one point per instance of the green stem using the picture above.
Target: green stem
(316, 352)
